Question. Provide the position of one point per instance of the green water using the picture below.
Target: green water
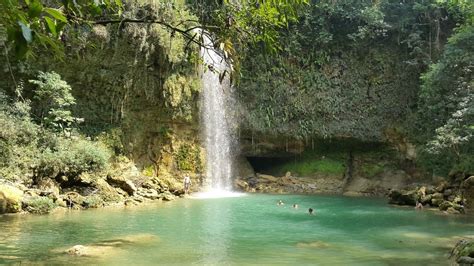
(245, 230)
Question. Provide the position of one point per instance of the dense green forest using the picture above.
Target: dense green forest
(89, 85)
(370, 70)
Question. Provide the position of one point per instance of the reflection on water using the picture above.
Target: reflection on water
(241, 230)
(215, 238)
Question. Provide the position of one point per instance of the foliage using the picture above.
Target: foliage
(180, 92)
(188, 158)
(309, 167)
(35, 22)
(444, 122)
(71, 157)
(93, 201)
(347, 68)
(19, 140)
(112, 139)
(371, 170)
(28, 150)
(148, 171)
(39, 205)
(53, 98)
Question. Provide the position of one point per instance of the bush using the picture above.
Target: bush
(53, 99)
(93, 201)
(39, 205)
(18, 140)
(73, 157)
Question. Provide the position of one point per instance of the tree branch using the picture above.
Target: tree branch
(185, 33)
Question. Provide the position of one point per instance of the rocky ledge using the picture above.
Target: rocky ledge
(451, 197)
(289, 184)
(126, 186)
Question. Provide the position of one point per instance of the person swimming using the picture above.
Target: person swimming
(310, 210)
(295, 206)
(280, 202)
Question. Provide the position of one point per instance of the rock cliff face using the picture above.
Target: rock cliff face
(318, 166)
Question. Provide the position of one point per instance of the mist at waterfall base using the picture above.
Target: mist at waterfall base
(218, 124)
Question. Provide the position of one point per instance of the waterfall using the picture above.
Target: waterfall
(217, 119)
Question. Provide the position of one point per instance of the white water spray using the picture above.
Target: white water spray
(218, 121)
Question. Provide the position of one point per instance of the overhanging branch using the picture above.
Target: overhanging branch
(186, 33)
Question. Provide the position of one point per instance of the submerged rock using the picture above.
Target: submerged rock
(10, 199)
(90, 251)
(314, 244)
(111, 246)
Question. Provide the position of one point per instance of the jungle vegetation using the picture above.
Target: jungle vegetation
(302, 69)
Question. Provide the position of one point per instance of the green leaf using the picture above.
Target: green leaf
(26, 32)
(35, 8)
(21, 47)
(57, 14)
(51, 26)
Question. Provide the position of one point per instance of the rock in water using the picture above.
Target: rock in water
(10, 199)
(463, 252)
(403, 197)
(122, 183)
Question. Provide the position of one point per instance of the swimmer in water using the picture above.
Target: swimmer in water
(295, 206)
(310, 210)
(280, 203)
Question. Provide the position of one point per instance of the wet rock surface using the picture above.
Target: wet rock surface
(448, 197)
(463, 252)
(10, 199)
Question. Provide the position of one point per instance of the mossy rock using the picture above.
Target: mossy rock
(39, 205)
(463, 252)
(10, 199)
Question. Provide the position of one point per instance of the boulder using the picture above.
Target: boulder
(468, 182)
(148, 193)
(426, 199)
(110, 248)
(436, 202)
(445, 205)
(441, 187)
(430, 190)
(403, 197)
(167, 196)
(448, 192)
(90, 251)
(467, 187)
(436, 199)
(267, 178)
(457, 199)
(463, 252)
(154, 183)
(122, 183)
(244, 168)
(10, 199)
(451, 210)
(73, 200)
(465, 260)
(437, 195)
(241, 184)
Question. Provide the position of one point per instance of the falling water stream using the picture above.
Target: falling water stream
(217, 121)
